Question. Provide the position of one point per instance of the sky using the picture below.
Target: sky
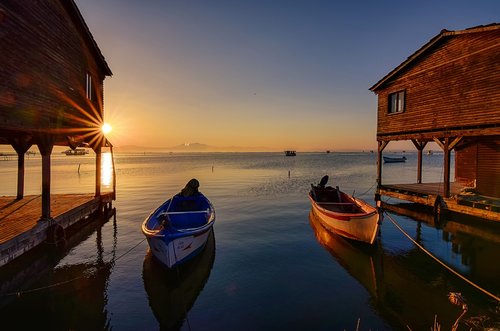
(276, 74)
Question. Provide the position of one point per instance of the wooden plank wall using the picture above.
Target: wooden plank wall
(466, 163)
(44, 72)
(488, 167)
(447, 88)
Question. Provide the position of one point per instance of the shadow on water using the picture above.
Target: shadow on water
(173, 292)
(407, 289)
(36, 294)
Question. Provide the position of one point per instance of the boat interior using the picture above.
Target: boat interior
(335, 200)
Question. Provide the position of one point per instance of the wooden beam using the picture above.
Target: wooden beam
(114, 172)
(419, 145)
(431, 134)
(46, 150)
(419, 166)
(21, 146)
(455, 142)
(381, 146)
(439, 142)
(446, 180)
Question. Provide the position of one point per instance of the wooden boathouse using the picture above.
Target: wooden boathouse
(447, 92)
(51, 94)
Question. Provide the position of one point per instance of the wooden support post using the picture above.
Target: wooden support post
(447, 147)
(381, 146)
(46, 150)
(114, 173)
(420, 147)
(447, 153)
(98, 161)
(20, 176)
(21, 146)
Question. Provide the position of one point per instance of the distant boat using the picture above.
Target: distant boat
(77, 151)
(343, 214)
(390, 159)
(429, 152)
(327, 151)
(178, 230)
(290, 153)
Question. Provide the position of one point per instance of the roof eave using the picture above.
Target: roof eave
(429, 44)
(71, 5)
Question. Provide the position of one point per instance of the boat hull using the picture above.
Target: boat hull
(175, 236)
(388, 159)
(359, 226)
(173, 251)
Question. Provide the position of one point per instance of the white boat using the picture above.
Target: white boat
(390, 159)
(178, 230)
(343, 214)
(77, 151)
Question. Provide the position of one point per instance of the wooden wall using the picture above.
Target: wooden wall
(454, 84)
(466, 163)
(44, 61)
(488, 166)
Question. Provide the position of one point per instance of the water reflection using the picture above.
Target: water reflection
(172, 292)
(406, 289)
(79, 298)
(107, 169)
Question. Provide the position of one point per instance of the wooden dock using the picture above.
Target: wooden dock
(21, 228)
(432, 195)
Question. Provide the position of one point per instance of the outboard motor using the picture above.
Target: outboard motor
(323, 181)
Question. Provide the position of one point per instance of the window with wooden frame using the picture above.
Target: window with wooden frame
(88, 86)
(396, 102)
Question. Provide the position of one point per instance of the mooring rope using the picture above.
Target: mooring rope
(19, 293)
(371, 187)
(439, 261)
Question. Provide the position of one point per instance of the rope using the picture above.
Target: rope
(19, 293)
(439, 261)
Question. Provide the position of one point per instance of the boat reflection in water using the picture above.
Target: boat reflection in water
(407, 289)
(172, 292)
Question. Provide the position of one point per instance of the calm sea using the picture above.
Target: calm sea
(269, 265)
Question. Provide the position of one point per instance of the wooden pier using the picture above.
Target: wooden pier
(432, 195)
(446, 94)
(22, 229)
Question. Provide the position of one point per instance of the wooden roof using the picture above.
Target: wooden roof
(77, 17)
(443, 35)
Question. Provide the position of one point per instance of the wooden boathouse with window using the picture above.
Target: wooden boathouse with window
(447, 92)
(51, 94)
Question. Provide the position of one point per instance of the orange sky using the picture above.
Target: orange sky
(258, 73)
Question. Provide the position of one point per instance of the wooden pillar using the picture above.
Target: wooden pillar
(98, 161)
(447, 153)
(381, 146)
(447, 147)
(45, 150)
(114, 173)
(420, 147)
(21, 146)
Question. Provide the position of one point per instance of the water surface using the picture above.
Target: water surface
(271, 266)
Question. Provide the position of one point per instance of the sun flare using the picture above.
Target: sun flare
(106, 128)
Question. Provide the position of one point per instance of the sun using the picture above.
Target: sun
(106, 128)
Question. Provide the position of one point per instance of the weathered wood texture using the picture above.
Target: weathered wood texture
(46, 53)
(488, 167)
(18, 216)
(430, 194)
(21, 230)
(452, 85)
